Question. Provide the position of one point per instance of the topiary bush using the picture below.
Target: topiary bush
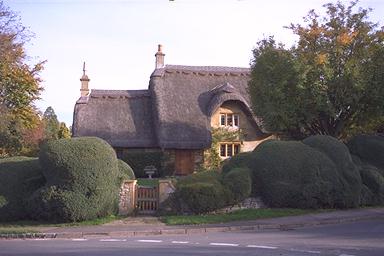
(126, 171)
(82, 180)
(202, 197)
(348, 173)
(239, 182)
(292, 174)
(373, 181)
(369, 148)
(239, 160)
(19, 178)
(201, 193)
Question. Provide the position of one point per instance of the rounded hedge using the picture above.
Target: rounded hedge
(202, 197)
(201, 193)
(239, 160)
(125, 170)
(292, 174)
(369, 148)
(239, 182)
(373, 194)
(82, 180)
(348, 173)
(19, 178)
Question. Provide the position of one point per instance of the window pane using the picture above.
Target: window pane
(222, 150)
(236, 149)
(236, 120)
(229, 149)
(229, 120)
(222, 119)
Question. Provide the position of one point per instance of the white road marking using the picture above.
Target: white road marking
(180, 242)
(346, 255)
(307, 251)
(79, 239)
(223, 244)
(261, 246)
(150, 241)
(113, 240)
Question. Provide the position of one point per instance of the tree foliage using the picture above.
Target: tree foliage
(330, 82)
(52, 124)
(19, 83)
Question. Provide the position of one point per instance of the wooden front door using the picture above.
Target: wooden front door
(184, 162)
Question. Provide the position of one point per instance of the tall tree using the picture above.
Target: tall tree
(19, 82)
(64, 131)
(52, 125)
(331, 82)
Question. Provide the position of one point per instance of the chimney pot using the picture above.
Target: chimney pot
(159, 57)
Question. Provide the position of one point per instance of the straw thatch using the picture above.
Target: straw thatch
(174, 113)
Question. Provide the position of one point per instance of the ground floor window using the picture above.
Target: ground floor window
(229, 149)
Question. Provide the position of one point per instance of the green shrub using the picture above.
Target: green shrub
(239, 160)
(369, 148)
(19, 178)
(374, 186)
(202, 197)
(138, 160)
(126, 171)
(200, 193)
(239, 182)
(292, 174)
(348, 173)
(82, 180)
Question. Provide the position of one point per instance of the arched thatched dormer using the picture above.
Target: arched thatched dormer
(231, 114)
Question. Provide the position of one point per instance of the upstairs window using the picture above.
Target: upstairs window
(229, 120)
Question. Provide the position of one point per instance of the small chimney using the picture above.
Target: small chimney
(159, 57)
(84, 90)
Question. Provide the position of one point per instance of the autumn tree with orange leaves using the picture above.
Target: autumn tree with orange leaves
(331, 82)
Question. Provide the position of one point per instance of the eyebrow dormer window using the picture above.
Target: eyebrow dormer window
(229, 120)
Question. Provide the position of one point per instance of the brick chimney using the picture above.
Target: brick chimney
(159, 57)
(84, 90)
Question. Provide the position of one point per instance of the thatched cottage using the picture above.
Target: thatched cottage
(177, 114)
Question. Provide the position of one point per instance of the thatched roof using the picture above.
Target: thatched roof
(173, 113)
(185, 97)
(123, 118)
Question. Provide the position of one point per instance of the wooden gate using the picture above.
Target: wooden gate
(147, 199)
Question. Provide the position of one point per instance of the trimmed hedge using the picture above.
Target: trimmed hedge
(369, 148)
(201, 193)
(138, 160)
(348, 173)
(292, 174)
(202, 197)
(126, 171)
(374, 186)
(82, 180)
(239, 182)
(19, 178)
(239, 160)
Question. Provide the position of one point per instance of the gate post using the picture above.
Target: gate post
(127, 201)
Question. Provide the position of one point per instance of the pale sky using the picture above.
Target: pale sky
(118, 38)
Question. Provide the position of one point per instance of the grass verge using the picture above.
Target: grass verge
(30, 226)
(239, 215)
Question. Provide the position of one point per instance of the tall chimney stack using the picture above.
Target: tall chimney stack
(159, 57)
(84, 90)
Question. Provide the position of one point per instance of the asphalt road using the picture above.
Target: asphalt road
(364, 238)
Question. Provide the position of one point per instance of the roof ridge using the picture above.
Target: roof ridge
(202, 70)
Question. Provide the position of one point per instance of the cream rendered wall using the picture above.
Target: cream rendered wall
(251, 138)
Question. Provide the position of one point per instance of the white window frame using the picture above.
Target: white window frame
(226, 145)
(233, 117)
